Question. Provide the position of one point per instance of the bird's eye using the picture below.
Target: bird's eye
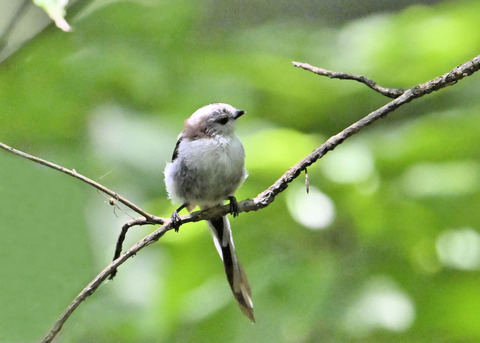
(222, 120)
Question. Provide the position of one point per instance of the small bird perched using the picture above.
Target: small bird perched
(207, 168)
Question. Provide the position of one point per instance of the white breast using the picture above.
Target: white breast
(206, 171)
(226, 155)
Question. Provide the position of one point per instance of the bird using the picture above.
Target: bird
(207, 167)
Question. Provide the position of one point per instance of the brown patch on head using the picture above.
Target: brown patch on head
(194, 130)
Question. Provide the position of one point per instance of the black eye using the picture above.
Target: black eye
(222, 120)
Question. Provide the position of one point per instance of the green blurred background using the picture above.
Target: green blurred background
(385, 248)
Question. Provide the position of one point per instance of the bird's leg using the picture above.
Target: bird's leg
(175, 218)
(233, 206)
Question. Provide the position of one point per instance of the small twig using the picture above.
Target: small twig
(75, 174)
(307, 182)
(121, 238)
(388, 92)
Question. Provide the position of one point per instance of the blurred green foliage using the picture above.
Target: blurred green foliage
(385, 248)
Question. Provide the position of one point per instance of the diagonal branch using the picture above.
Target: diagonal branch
(263, 199)
(73, 172)
(102, 276)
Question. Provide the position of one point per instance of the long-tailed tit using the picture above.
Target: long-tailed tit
(207, 168)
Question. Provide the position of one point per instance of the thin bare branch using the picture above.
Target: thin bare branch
(388, 92)
(263, 199)
(72, 172)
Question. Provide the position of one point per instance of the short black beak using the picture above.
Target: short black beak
(239, 113)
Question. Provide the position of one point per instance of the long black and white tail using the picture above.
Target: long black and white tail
(222, 237)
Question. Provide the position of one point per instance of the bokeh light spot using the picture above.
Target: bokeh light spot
(314, 210)
(381, 305)
(450, 178)
(350, 163)
(459, 249)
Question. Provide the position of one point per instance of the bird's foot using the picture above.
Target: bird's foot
(233, 206)
(175, 219)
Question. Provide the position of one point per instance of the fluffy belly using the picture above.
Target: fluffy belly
(208, 176)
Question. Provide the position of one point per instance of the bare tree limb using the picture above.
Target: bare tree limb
(263, 199)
